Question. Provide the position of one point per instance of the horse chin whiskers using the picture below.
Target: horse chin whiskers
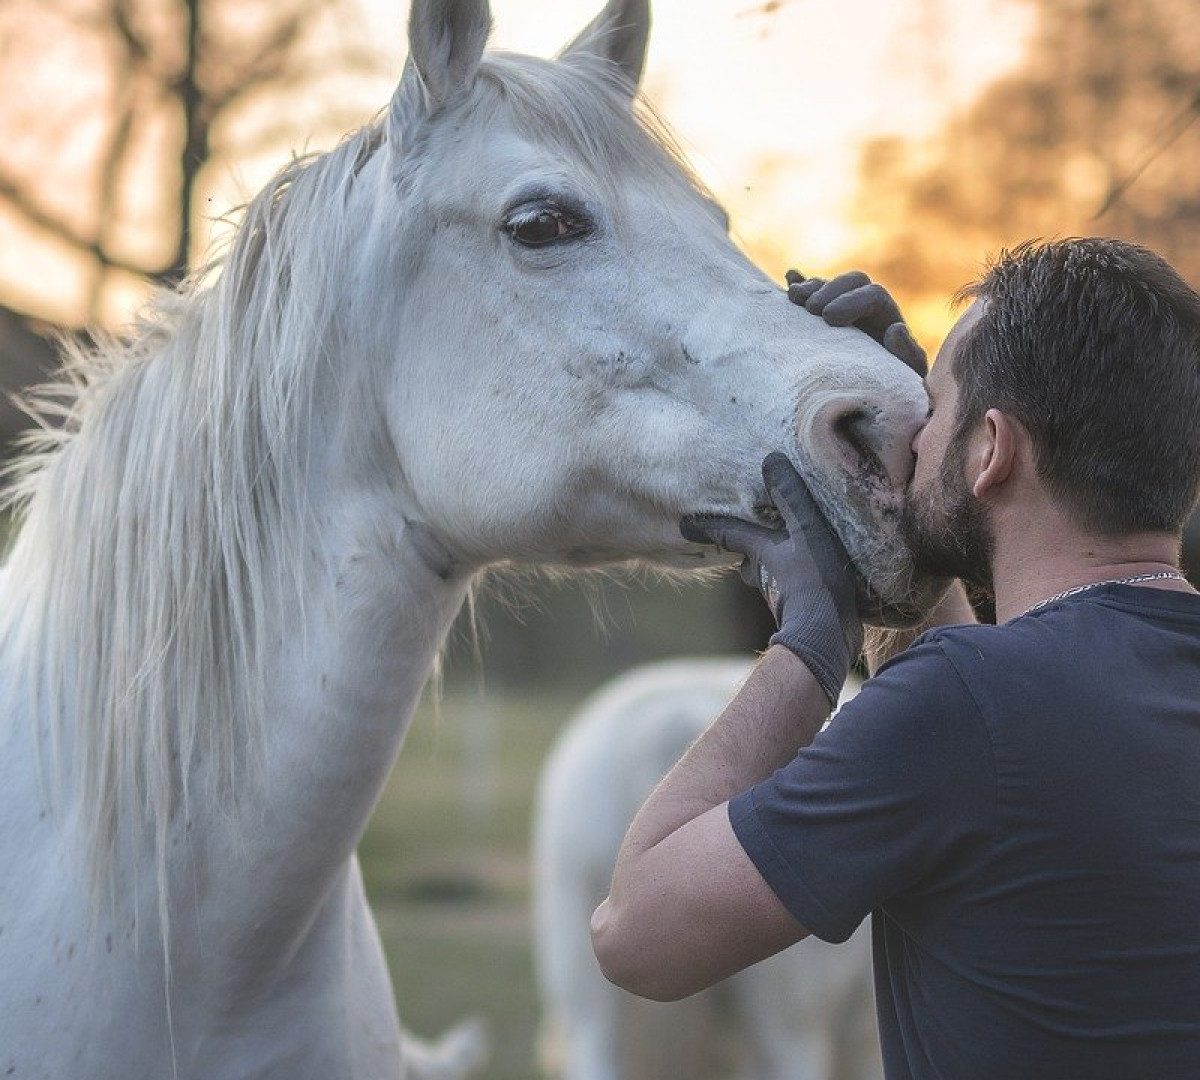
(768, 515)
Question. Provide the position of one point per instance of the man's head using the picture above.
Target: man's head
(1087, 353)
(943, 522)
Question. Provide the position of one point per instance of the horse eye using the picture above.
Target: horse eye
(545, 223)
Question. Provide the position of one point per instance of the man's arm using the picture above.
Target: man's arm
(687, 907)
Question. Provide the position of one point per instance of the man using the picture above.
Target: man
(1018, 805)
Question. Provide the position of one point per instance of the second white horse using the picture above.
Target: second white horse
(805, 1014)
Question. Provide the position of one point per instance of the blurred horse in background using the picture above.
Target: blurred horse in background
(805, 1014)
(502, 323)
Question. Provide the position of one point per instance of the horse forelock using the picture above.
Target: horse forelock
(584, 106)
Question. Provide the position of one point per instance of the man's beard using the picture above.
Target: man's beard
(946, 528)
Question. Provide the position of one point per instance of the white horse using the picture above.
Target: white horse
(500, 324)
(805, 1014)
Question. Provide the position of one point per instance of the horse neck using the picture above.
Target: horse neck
(358, 648)
(358, 638)
(364, 629)
(178, 604)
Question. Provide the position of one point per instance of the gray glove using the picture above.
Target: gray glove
(853, 299)
(802, 571)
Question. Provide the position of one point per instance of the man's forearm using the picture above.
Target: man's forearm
(778, 710)
(776, 713)
(687, 907)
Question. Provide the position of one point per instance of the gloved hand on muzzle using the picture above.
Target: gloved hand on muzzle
(853, 299)
(802, 570)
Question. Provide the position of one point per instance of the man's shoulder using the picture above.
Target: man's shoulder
(961, 633)
(1012, 665)
(932, 655)
(950, 667)
(927, 678)
(979, 646)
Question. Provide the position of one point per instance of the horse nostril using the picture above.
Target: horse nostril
(860, 430)
(870, 440)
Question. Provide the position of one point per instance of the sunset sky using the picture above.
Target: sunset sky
(773, 104)
(772, 101)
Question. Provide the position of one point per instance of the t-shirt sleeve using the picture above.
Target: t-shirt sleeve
(881, 802)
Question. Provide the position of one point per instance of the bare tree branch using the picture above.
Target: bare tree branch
(215, 73)
(122, 22)
(43, 218)
(118, 144)
(354, 62)
(285, 134)
(1187, 116)
(268, 60)
(195, 150)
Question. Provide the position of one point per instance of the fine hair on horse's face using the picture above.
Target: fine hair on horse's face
(657, 364)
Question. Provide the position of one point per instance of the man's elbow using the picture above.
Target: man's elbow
(626, 962)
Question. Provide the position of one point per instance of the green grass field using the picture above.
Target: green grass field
(446, 861)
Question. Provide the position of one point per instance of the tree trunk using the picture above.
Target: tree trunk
(195, 144)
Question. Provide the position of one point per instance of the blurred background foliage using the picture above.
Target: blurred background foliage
(1094, 133)
(131, 127)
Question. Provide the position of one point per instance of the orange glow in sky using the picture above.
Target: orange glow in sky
(771, 105)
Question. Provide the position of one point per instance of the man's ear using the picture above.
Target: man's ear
(994, 453)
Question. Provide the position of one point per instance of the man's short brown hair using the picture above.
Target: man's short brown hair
(1094, 346)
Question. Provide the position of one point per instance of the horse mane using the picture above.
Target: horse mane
(138, 591)
(163, 522)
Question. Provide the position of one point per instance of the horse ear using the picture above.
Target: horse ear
(620, 33)
(410, 105)
(445, 44)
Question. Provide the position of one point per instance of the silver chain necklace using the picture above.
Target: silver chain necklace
(1161, 575)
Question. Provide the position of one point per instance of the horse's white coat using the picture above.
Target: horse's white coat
(804, 1014)
(239, 564)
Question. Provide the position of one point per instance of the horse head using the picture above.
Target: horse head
(579, 354)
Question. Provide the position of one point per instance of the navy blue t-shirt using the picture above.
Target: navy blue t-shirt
(1019, 808)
